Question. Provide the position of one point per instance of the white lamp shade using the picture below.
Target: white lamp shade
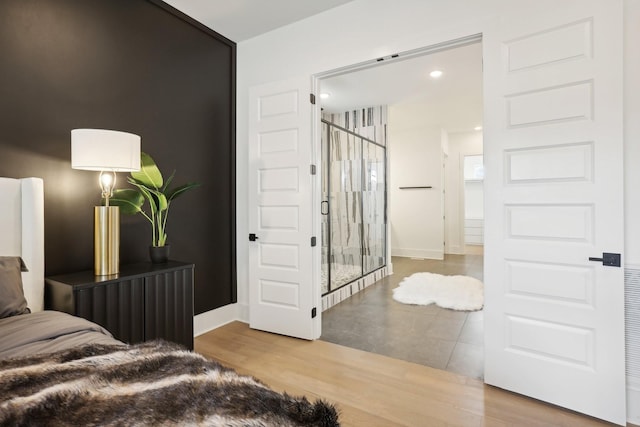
(105, 150)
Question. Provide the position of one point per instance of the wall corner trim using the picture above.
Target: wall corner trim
(214, 319)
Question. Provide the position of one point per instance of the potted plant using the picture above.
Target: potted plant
(150, 187)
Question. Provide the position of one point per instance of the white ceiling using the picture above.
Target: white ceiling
(453, 101)
(240, 20)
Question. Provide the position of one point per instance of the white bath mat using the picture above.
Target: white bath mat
(454, 292)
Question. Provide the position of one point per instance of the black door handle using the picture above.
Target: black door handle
(253, 237)
(608, 259)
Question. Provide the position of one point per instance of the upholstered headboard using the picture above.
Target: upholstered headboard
(22, 232)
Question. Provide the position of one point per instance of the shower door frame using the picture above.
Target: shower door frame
(326, 160)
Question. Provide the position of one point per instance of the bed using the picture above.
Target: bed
(57, 369)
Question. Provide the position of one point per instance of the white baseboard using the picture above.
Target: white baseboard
(418, 253)
(633, 400)
(243, 312)
(455, 250)
(213, 319)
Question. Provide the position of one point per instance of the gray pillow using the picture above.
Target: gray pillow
(12, 301)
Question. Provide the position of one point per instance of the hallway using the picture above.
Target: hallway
(428, 335)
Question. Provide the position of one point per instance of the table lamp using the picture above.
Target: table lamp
(107, 151)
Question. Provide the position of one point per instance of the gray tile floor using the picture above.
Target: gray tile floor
(429, 335)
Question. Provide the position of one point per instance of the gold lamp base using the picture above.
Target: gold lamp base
(106, 241)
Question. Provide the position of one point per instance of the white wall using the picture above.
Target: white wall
(415, 159)
(363, 30)
(335, 39)
(460, 144)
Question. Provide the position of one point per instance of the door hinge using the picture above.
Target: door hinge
(313, 169)
(313, 313)
(313, 241)
(312, 98)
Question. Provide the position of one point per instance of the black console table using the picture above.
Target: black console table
(143, 302)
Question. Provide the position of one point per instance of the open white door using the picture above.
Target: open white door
(554, 321)
(281, 295)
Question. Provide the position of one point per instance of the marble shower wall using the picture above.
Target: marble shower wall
(369, 122)
(354, 231)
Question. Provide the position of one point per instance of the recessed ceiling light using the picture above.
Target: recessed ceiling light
(324, 95)
(435, 74)
(477, 128)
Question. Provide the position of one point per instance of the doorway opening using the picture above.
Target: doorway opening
(473, 176)
(431, 125)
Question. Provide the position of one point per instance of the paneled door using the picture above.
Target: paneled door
(282, 287)
(554, 319)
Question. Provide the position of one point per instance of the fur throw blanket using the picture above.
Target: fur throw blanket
(153, 383)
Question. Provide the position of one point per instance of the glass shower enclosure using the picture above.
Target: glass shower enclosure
(354, 224)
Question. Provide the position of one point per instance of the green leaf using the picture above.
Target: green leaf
(178, 191)
(168, 181)
(146, 193)
(162, 201)
(149, 175)
(149, 187)
(129, 200)
(162, 240)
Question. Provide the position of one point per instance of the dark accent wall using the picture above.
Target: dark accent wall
(137, 66)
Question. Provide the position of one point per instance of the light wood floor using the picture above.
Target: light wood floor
(374, 390)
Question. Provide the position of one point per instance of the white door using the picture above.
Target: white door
(554, 320)
(281, 280)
